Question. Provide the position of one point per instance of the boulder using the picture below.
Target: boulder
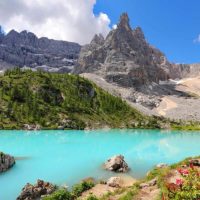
(114, 182)
(6, 162)
(33, 192)
(151, 183)
(116, 164)
(161, 165)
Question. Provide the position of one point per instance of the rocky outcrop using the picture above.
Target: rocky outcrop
(6, 162)
(116, 164)
(150, 183)
(124, 57)
(114, 182)
(33, 192)
(26, 49)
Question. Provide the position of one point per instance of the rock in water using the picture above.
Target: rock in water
(116, 164)
(6, 162)
(33, 192)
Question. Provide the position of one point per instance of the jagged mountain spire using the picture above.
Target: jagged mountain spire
(124, 57)
(124, 21)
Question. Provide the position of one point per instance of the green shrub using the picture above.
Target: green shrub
(59, 195)
(79, 188)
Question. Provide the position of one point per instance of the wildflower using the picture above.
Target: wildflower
(183, 172)
(191, 165)
(179, 182)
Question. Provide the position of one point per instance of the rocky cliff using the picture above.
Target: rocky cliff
(26, 49)
(124, 57)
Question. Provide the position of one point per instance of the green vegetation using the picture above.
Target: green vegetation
(65, 101)
(76, 192)
(187, 187)
(131, 193)
(79, 188)
(59, 195)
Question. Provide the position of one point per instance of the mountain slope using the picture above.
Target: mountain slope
(63, 101)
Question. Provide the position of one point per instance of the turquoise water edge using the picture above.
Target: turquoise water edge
(66, 157)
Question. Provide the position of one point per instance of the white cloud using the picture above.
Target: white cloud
(114, 26)
(71, 20)
(197, 40)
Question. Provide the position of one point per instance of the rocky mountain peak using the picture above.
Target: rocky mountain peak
(124, 22)
(124, 58)
(98, 39)
(138, 33)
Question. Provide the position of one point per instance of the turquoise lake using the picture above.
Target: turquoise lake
(66, 157)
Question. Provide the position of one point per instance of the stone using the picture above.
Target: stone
(34, 192)
(161, 165)
(114, 182)
(116, 164)
(6, 162)
(150, 183)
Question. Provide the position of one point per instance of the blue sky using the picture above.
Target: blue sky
(170, 25)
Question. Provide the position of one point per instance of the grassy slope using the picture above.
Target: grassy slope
(53, 100)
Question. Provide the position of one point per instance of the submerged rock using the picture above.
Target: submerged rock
(31, 192)
(116, 164)
(6, 162)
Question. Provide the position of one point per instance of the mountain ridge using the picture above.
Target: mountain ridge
(25, 49)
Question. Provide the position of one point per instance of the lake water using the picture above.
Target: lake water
(66, 157)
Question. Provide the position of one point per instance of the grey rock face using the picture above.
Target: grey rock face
(124, 57)
(116, 164)
(184, 71)
(25, 49)
(6, 162)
